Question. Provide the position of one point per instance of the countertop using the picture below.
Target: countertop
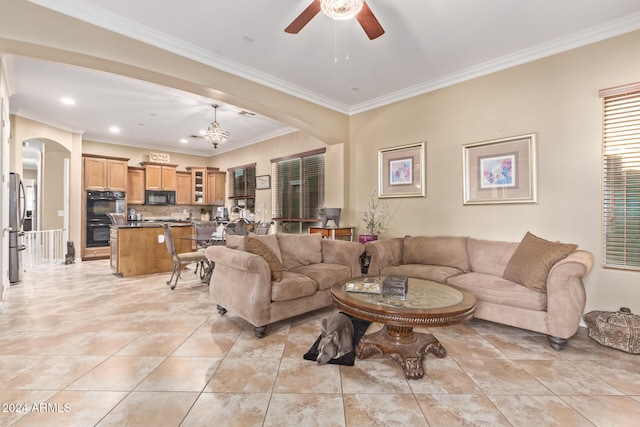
(152, 224)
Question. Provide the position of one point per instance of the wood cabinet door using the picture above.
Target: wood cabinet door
(153, 177)
(183, 190)
(116, 175)
(95, 173)
(216, 187)
(169, 178)
(198, 183)
(135, 186)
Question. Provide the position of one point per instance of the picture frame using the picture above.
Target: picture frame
(500, 171)
(263, 182)
(401, 171)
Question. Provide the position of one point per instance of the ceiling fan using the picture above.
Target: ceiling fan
(339, 9)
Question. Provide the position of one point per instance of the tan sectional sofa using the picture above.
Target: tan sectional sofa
(534, 284)
(264, 279)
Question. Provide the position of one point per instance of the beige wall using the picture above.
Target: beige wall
(555, 97)
(293, 143)
(59, 144)
(52, 189)
(137, 155)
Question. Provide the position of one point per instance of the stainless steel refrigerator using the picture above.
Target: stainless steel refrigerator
(16, 218)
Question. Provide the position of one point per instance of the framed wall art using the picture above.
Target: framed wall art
(263, 182)
(401, 171)
(500, 171)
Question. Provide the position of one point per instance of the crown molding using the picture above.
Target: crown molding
(120, 25)
(553, 47)
(116, 23)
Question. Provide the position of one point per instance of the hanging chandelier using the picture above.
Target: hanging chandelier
(341, 9)
(214, 134)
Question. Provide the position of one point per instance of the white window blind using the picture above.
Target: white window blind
(298, 187)
(621, 177)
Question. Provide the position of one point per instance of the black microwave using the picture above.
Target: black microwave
(160, 197)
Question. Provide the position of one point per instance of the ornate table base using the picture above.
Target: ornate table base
(402, 345)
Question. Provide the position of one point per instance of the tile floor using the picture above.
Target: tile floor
(82, 347)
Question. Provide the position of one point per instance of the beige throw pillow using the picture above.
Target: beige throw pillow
(257, 246)
(533, 259)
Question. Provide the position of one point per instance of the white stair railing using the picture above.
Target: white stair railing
(43, 248)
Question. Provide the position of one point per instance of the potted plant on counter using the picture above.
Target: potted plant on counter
(373, 218)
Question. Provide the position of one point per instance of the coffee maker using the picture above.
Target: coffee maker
(222, 214)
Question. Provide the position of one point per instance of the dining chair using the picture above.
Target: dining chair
(183, 259)
(262, 228)
(117, 218)
(204, 232)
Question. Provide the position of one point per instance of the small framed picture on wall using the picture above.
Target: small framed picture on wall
(500, 171)
(263, 182)
(401, 171)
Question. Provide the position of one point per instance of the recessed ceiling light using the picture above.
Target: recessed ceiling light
(184, 141)
(67, 101)
(114, 129)
(248, 39)
(202, 132)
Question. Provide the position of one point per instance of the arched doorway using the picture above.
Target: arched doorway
(45, 165)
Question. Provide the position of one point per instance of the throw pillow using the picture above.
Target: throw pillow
(299, 250)
(257, 246)
(533, 259)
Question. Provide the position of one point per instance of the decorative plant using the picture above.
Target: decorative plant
(374, 215)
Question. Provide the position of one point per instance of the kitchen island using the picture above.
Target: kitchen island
(139, 248)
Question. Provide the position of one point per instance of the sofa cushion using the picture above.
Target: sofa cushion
(533, 259)
(496, 290)
(489, 256)
(300, 249)
(235, 242)
(445, 251)
(260, 245)
(292, 286)
(326, 275)
(436, 273)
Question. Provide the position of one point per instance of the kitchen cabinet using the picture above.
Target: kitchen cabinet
(208, 186)
(183, 185)
(113, 245)
(136, 251)
(135, 186)
(160, 176)
(105, 173)
(198, 182)
(216, 187)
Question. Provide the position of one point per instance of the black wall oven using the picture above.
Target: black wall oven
(99, 204)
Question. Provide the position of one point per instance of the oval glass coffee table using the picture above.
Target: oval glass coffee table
(426, 303)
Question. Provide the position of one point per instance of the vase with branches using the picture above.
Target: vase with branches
(375, 215)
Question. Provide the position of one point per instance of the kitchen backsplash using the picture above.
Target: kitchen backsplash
(177, 212)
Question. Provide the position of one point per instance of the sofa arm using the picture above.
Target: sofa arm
(384, 253)
(566, 296)
(241, 283)
(343, 253)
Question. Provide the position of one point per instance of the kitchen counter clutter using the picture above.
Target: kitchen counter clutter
(152, 224)
(139, 248)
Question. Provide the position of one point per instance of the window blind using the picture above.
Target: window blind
(621, 177)
(244, 181)
(298, 186)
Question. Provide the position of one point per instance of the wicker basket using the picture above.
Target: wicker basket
(619, 330)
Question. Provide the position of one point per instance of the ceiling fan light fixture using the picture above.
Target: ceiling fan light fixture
(341, 9)
(214, 134)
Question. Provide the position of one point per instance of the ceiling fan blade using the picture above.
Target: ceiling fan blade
(303, 19)
(369, 22)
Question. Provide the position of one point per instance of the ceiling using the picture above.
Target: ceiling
(428, 44)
